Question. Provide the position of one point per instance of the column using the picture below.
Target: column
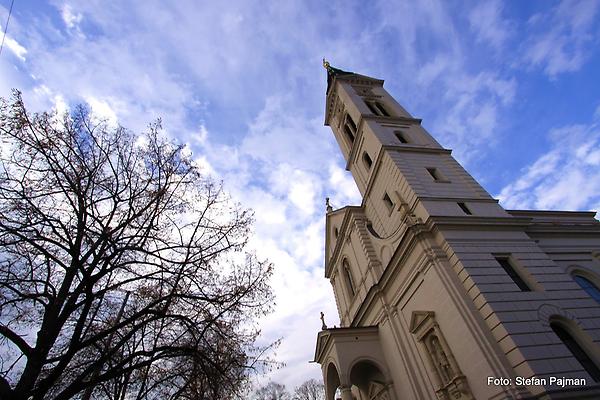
(346, 393)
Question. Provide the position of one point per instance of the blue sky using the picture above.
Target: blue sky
(512, 87)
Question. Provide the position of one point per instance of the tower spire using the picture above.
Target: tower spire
(332, 72)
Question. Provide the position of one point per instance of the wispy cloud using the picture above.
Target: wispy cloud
(488, 24)
(70, 18)
(473, 104)
(15, 47)
(464, 116)
(563, 47)
(566, 177)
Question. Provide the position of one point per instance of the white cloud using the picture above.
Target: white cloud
(487, 22)
(567, 177)
(473, 103)
(70, 18)
(343, 189)
(300, 187)
(15, 47)
(280, 169)
(102, 110)
(60, 105)
(563, 47)
(464, 115)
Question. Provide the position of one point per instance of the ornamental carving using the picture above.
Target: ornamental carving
(449, 381)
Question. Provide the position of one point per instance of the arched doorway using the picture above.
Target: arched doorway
(332, 382)
(369, 380)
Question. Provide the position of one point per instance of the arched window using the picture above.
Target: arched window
(348, 277)
(588, 286)
(578, 352)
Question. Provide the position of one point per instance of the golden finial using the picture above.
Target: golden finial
(326, 64)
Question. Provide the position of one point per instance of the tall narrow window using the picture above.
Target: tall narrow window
(351, 123)
(348, 275)
(465, 209)
(349, 133)
(510, 270)
(388, 202)
(367, 160)
(382, 110)
(588, 286)
(401, 136)
(372, 107)
(578, 352)
(349, 129)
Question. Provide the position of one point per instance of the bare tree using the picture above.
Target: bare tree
(272, 391)
(310, 390)
(122, 267)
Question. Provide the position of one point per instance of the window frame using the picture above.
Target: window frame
(562, 329)
(389, 203)
(514, 272)
(348, 278)
(367, 160)
(589, 278)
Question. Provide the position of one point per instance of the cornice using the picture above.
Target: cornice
(392, 119)
(326, 337)
(415, 148)
(460, 222)
(350, 210)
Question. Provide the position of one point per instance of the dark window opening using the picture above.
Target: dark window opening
(388, 202)
(372, 108)
(351, 123)
(577, 351)
(400, 136)
(382, 109)
(510, 270)
(349, 133)
(336, 232)
(435, 174)
(465, 209)
(367, 160)
(349, 281)
(377, 108)
(349, 128)
(588, 286)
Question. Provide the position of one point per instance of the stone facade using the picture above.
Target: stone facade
(441, 293)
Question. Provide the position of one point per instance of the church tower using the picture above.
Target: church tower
(442, 293)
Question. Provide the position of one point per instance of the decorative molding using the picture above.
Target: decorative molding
(367, 246)
(364, 91)
(420, 322)
(410, 219)
(450, 381)
(547, 311)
